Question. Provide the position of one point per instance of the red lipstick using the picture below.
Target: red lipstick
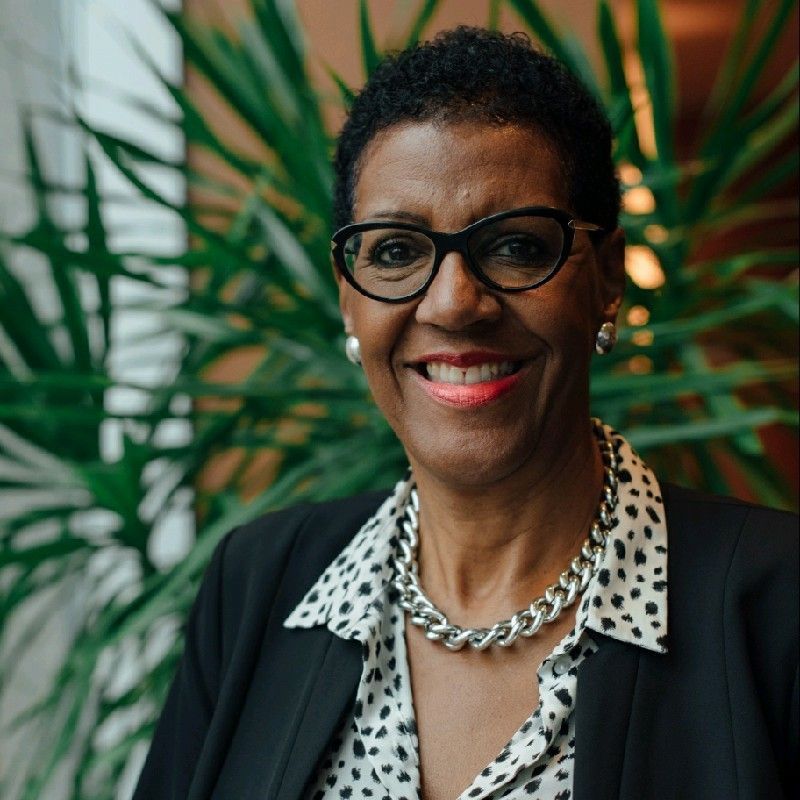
(471, 395)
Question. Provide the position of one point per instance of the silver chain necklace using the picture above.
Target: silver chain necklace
(558, 596)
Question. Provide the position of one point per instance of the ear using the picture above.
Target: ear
(611, 264)
(345, 298)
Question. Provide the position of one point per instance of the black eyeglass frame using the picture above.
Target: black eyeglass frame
(457, 242)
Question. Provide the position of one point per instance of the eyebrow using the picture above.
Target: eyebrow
(405, 216)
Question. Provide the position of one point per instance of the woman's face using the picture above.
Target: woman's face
(446, 177)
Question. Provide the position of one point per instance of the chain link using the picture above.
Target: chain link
(525, 623)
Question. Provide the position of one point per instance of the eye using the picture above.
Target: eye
(521, 249)
(395, 253)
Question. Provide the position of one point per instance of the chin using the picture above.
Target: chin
(474, 459)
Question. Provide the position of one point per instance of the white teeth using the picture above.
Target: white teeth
(473, 375)
(445, 373)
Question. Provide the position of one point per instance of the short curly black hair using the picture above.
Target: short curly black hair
(480, 75)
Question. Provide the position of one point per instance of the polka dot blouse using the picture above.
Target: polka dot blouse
(375, 752)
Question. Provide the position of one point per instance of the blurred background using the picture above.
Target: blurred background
(171, 359)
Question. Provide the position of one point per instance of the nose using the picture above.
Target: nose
(456, 299)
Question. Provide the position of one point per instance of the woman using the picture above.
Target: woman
(529, 613)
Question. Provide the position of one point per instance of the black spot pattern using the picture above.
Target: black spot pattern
(375, 753)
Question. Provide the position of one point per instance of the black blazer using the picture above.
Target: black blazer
(254, 705)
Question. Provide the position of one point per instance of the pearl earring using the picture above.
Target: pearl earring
(352, 349)
(606, 338)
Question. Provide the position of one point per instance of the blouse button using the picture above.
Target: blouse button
(561, 665)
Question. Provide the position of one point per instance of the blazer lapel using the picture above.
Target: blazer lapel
(327, 700)
(606, 686)
(301, 686)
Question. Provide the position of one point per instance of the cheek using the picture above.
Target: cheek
(379, 329)
(377, 333)
(565, 313)
(385, 387)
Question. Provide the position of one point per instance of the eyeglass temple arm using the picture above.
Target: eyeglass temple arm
(579, 225)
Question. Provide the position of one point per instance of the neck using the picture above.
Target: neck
(487, 551)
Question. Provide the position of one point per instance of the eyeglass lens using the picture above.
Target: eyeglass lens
(514, 252)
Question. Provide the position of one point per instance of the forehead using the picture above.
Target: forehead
(450, 174)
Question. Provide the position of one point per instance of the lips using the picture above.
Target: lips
(467, 380)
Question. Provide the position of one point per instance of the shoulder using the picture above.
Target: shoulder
(735, 560)
(266, 566)
(709, 523)
(321, 530)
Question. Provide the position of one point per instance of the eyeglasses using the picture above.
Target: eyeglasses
(511, 251)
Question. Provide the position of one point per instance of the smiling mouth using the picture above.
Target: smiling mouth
(442, 372)
(468, 380)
